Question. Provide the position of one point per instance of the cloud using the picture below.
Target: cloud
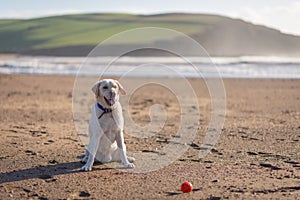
(27, 14)
(283, 17)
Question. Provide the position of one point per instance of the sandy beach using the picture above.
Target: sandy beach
(257, 155)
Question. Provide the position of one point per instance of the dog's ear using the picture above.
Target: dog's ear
(121, 89)
(95, 88)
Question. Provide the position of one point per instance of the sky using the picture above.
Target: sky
(280, 14)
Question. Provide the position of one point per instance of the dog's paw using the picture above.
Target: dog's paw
(131, 159)
(129, 165)
(86, 167)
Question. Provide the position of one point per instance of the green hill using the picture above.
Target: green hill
(74, 35)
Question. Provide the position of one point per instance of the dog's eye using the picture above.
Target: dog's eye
(105, 87)
(114, 86)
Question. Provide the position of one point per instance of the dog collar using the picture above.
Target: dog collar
(105, 110)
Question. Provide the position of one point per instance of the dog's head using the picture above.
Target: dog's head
(107, 91)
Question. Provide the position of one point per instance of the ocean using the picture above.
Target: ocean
(191, 67)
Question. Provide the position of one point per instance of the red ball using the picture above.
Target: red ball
(186, 187)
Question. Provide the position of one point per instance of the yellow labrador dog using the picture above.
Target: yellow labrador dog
(106, 127)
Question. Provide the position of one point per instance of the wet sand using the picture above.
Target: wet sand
(257, 155)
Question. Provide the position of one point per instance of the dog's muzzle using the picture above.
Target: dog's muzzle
(110, 101)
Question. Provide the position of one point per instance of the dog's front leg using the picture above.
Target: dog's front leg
(92, 149)
(122, 149)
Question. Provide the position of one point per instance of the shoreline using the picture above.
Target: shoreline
(137, 77)
(214, 67)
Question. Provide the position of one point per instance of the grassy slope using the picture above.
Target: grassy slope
(78, 34)
(90, 29)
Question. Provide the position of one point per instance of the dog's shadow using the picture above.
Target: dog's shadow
(45, 172)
